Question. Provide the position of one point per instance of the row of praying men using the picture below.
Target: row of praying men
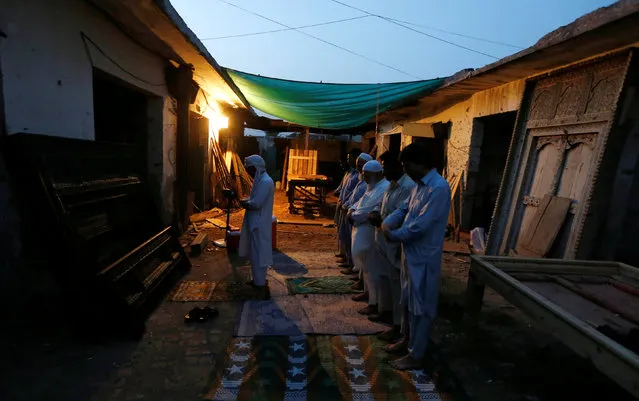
(391, 218)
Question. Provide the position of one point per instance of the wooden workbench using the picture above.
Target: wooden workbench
(307, 193)
(576, 301)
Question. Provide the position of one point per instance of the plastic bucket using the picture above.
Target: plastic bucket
(233, 240)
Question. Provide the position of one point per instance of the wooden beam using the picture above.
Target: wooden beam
(199, 244)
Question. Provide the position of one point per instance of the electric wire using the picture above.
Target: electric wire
(457, 34)
(241, 35)
(86, 39)
(322, 40)
(392, 21)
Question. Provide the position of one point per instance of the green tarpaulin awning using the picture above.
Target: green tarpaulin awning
(329, 106)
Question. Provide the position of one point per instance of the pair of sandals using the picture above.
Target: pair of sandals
(201, 314)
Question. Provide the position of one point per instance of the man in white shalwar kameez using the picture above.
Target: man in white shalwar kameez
(365, 256)
(255, 239)
(399, 190)
(420, 225)
(347, 228)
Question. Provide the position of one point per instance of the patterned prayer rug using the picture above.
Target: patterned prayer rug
(282, 316)
(235, 287)
(337, 314)
(304, 314)
(314, 368)
(232, 290)
(192, 291)
(320, 285)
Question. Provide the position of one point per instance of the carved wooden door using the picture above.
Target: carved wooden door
(560, 165)
(562, 141)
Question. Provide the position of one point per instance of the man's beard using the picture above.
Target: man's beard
(372, 181)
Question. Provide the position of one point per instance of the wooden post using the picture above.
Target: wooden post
(284, 169)
(184, 79)
(474, 295)
(307, 135)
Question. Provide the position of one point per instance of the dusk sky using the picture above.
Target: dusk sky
(292, 55)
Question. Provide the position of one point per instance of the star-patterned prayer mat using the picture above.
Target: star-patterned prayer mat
(320, 285)
(314, 368)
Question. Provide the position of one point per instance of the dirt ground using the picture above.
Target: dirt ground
(315, 233)
(502, 357)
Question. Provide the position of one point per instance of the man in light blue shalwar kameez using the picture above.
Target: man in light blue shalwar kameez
(347, 228)
(343, 192)
(346, 190)
(420, 225)
(390, 290)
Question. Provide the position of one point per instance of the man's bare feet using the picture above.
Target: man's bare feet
(358, 286)
(384, 317)
(400, 347)
(405, 363)
(390, 335)
(368, 310)
(363, 297)
(262, 292)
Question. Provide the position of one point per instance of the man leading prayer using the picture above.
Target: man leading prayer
(255, 240)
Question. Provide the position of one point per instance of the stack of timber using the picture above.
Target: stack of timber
(239, 181)
(242, 177)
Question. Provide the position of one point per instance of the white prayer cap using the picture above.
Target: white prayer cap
(365, 156)
(372, 166)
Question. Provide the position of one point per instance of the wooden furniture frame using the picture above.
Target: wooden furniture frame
(610, 357)
(307, 194)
